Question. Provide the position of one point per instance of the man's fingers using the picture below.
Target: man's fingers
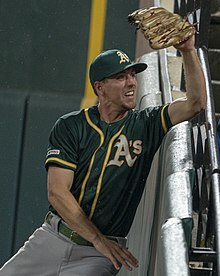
(114, 261)
(128, 256)
(125, 257)
(122, 261)
(117, 254)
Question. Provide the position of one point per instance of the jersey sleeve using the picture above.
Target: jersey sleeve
(165, 118)
(63, 146)
(157, 124)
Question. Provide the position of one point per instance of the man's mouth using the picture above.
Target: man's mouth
(129, 93)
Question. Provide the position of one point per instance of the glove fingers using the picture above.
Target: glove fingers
(161, 27)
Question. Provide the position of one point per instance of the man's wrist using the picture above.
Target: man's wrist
(191, 50)
(97, 237)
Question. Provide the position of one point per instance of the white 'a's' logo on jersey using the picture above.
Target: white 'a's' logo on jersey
(123, 152)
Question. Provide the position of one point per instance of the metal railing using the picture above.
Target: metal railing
(206, 199)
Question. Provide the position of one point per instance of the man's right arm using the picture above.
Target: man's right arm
(59, 184)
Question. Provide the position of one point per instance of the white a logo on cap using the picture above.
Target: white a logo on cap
(123, 56)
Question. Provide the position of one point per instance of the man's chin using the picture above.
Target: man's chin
(131, 105)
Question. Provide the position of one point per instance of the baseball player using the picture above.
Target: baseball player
(98, 160)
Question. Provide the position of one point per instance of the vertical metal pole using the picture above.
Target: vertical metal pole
(213, 151)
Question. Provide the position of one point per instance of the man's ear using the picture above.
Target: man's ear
(98, 87)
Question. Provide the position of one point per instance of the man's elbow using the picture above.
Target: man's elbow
(198, 106)
(52, 196)
(202, 102)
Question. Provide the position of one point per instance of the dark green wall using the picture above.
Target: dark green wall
(43, 57)
(44, 43)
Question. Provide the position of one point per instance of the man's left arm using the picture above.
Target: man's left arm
(195, 101)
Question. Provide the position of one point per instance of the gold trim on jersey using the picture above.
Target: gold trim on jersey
(163, 120)
(93, 157)
(60, 161)
(98, 189)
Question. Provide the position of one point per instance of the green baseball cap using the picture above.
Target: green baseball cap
(111, 62)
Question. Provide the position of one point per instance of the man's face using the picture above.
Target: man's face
(120, 90)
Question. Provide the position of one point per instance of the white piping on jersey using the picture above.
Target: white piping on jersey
(60, 161)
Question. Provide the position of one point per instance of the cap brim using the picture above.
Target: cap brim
(138, 67)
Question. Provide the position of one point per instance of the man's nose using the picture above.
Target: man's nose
(131, 79)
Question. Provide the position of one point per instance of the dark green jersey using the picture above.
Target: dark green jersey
(111, 161)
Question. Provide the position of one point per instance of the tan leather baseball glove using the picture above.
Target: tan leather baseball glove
(161, 27)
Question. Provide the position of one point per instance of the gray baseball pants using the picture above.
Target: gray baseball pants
(48, 253)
